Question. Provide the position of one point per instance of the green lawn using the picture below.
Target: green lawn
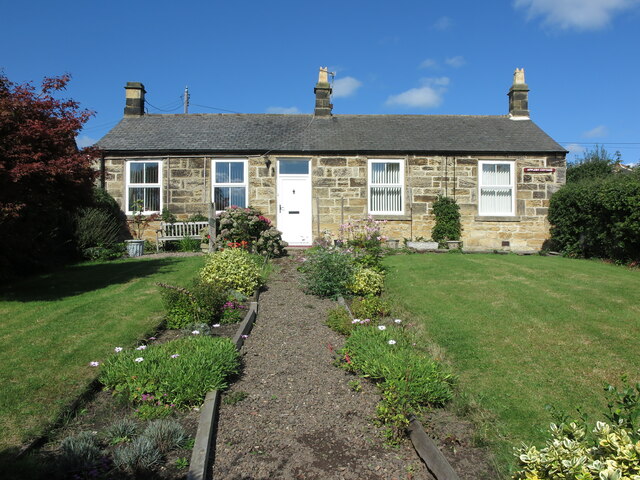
(525, 331)
(55, 324)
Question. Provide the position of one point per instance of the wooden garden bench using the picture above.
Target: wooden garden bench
(178, 231)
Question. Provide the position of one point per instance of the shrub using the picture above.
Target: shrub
(165, 434)
(138, 457)
(366, 282)
(122, 430)
(373, 308)
(237, 225)
(201, 303)
(103, 253)
(326, 272)
(447, 226)
(80, 452)
(598, 218)
(172, 375)
(364, 238)
(233, 269)
(611, 455)
(339, 320)
(594, 164)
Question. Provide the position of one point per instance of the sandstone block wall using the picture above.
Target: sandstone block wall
(339, 194)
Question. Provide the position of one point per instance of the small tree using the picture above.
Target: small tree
(44, 178)
(447, 213)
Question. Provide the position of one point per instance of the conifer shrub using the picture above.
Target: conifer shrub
(447, 226)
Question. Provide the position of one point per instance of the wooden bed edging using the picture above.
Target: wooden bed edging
(203, 453)
(433, 458)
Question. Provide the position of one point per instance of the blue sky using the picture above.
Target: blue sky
(581, 58)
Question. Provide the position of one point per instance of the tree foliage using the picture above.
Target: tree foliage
(598, 215)
(44, 178)
(594, 164)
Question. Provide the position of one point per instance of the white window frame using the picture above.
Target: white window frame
(400, 184)
(245, 176)
(129, 185)
(512, 186)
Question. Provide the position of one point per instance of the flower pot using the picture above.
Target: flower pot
(454, 244)
(422, 246)
(204, 247)
(135, 248)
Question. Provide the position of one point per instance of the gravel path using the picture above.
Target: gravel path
(301, 419)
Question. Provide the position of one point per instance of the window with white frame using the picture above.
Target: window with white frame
(496, 188)
(229, 183)
(386, 187)
(144, 191)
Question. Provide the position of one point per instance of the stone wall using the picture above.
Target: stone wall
(340, 194)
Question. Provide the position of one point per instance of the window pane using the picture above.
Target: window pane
(496, 200)
(221, 197)
(136, 199)
(222, 172)
(151, 173)
(293, 167)
(386, 199)
(236, 173)
(152, 199)
(385, 173)
(136, 172)
(237, 196)
(496, 174)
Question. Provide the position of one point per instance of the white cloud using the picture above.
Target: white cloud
(575, 149)
(599, 131)
(429, 95)
(283, 110)
(429, 63)
(345, 87)
(85, 141)
(443, 23)
(575, 14)
(456, 62)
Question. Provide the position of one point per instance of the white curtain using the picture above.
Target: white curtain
(496, 192)
(385, 189)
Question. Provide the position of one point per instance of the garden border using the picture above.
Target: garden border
(203, 453)
(424, 445)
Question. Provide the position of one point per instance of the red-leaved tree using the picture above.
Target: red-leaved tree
(44, 178)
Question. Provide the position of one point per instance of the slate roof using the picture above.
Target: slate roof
(278, 133)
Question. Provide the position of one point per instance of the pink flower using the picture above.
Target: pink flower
(245, 336)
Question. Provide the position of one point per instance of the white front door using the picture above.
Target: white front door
(294, 201)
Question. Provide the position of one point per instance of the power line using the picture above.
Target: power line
(213, 108)
(179, 104)
(603, 143)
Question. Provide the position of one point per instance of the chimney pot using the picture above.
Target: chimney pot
(134, 95)
(519, 97)
(323, 94)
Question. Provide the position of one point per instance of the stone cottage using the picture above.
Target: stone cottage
(311, 173)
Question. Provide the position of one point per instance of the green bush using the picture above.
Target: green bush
(201, 303)
(139, 458)
(366, 282)
(373, 308)
(105, 253)
(447, 225)
(79, 453)
(247, 226)
(327, 272)
(598, 218)
(339, 320)
(233, 269)
(171, 375)
(594, 164)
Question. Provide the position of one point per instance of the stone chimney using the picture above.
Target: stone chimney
(135, 99)
(323, 94)
(519, 97)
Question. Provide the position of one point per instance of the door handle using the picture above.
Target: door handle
(280, 209)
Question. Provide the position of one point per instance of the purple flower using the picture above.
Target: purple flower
(94, 364)
(152, 338)
(175, 355)
(245, 336)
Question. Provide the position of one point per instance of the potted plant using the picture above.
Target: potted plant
(137, 225)
(447, 229)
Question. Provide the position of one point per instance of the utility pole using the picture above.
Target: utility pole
(186, 100)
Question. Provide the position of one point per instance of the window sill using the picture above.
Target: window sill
(389, 217)
(497, 218)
